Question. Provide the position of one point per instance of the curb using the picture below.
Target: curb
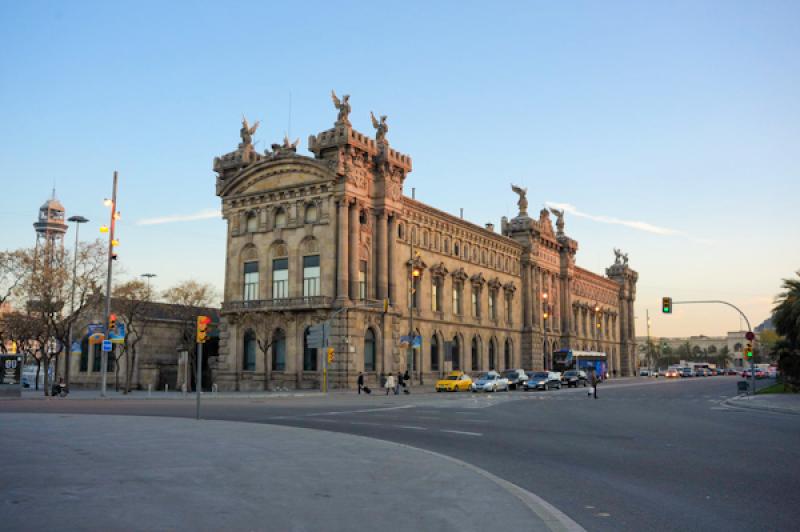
(740, 402)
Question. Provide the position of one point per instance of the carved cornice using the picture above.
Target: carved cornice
(439, 270)
(460, 275)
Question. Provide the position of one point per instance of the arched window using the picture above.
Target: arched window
(249, 351)
(456, 249)
(280, 218)
(434, 353)
(508, 357)
(401, 232)
(466, 251)
(369, 351)
(309, 353)
(250, 280)
(279, 350)
(252, 222)
(311, 214)
(362, 217)
(456, 354)
(476, 355)
(425, 238)
(492, 355)
(446, 247)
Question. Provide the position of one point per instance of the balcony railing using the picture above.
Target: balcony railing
(285, 303)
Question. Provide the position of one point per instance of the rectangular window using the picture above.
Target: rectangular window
(456, 299)
(250, 281)
(509, 309)
(435, 296)
(311, 276)
(362, 279)
(492, 296)
(280, 278)
(476, 309)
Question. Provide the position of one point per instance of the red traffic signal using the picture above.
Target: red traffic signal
(202, 328)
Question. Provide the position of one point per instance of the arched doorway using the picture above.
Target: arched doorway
(369, 350)
(476, 354)
(434, 352)
(492, 355)
(508, 358)
(456, 353)
(309, 353)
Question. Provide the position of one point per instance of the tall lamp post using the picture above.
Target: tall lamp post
(77, 220)
(414, 275)
(148, 276)
(112, 203)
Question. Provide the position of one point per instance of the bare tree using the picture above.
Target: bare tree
(264, 326)
(186, 299)
(131, 301)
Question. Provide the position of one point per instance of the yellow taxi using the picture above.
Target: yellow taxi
(455, 381)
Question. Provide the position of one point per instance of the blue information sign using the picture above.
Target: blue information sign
(107, 345)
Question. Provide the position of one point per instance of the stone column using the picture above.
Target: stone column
(383, 255)
(342, 269)
(354, 229)
(390, 253)
(524, 294)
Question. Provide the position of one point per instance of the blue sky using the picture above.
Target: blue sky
(681, 115)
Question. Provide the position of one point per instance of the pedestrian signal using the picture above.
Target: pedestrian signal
(202, 328)
(666, 305)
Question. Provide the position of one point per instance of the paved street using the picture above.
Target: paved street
(648, 454)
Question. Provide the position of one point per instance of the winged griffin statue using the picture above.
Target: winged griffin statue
(522, 203)
(559, 214)
(247, 132)
(343, 106)
(381, 128)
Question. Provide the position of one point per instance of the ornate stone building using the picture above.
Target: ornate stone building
(331, 236)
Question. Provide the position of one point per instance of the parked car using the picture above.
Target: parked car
(574, 378)
(701, 372)
(455, 381)
(672, 373)
(516, 378)
(491, 381)
(687, 372)
(772, 373)
(731, 371)
(543, 380)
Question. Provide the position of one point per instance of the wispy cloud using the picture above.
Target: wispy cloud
(633, 224)
(200, 215)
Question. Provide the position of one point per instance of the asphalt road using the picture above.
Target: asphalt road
(659, 455)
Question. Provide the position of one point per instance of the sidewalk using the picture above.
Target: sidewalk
(150, 473)
(785, 403)
(93, 394)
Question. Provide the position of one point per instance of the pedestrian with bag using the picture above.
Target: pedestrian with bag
(594, 382)
(360, 382)
(389, 385)
(400, 382)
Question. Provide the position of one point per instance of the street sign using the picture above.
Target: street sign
(96, 328)
(316, 336)
(750, 336)
(75, 349)
(107, 346)
(118, 337)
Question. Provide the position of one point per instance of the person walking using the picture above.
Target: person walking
(360, 382)
(389, 383)
(398, 383)
(595, 380)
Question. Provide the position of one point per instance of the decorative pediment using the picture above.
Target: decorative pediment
(478, 279)
(439, 270)
(460, 275)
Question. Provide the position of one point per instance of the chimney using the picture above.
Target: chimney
(490, 227)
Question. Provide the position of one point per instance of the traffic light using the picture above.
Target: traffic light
(330, 355)
(112, 322)
(748, 351)
(202, 328)
(666, 305)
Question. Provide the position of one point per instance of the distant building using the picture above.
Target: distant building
(709, 345)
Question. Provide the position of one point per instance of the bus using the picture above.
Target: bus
(588, 361)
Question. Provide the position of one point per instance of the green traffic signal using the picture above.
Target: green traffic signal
(666, 305)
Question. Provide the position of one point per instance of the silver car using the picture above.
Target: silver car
(491, 381)
(543, 380)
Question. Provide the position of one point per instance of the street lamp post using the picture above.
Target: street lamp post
(77, 220)
(414, 274)
(545, 315)
(111, 243)
(148, 276)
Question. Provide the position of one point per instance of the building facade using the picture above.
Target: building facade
(707, 346)
(331, 237)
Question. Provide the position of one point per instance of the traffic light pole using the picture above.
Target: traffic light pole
(198, 382)
(104, 355)
(749, 329)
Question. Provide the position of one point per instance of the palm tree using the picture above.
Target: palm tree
(786, 317)
(786, 313)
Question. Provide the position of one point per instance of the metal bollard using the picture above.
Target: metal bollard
(149, 390)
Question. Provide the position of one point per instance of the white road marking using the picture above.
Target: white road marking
(362, 411)
(412, 427)
(462, 432)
